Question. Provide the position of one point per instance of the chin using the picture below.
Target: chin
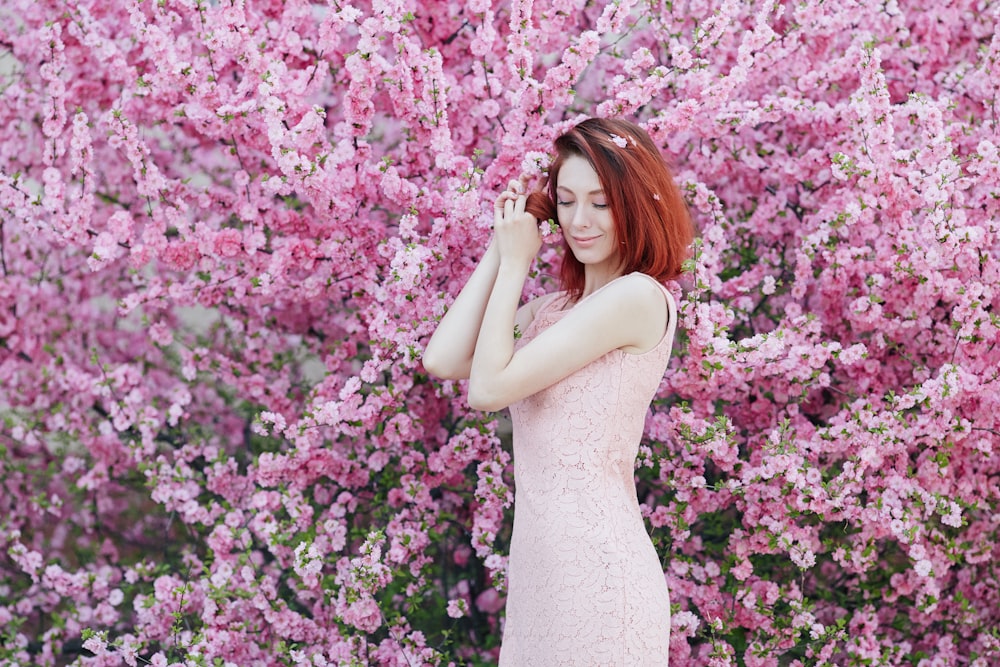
(592, 258)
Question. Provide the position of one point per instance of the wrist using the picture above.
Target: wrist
(491, 257)
(514, 268)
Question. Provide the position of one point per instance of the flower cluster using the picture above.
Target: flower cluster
(228, 228)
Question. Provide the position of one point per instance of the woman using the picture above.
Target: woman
(585, 585)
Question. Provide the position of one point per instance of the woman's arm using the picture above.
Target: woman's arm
(629, 313)
(449, 351)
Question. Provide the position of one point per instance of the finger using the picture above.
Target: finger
(503, 197)
(519, 204)
(508, 208)
(516, 186)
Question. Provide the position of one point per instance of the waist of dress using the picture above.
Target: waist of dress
(583, 491)
(581, 469)
(598, 520)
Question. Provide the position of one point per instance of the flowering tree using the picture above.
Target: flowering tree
(228, 227)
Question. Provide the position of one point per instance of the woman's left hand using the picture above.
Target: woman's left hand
(515, 231)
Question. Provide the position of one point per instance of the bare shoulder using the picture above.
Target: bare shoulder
(639, 306)
(634, 291)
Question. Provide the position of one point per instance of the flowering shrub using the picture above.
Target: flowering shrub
(228, 227)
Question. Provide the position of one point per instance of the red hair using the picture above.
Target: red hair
(649, 214)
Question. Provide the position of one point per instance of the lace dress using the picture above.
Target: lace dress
(585, 585)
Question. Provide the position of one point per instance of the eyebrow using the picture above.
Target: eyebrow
(599, 191)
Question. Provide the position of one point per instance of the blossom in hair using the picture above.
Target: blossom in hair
(550, 231)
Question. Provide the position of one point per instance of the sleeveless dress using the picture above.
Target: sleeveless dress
(585, 585)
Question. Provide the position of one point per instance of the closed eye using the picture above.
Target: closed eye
(564, 203)
(600, 207)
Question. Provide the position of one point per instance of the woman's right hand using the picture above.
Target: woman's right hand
(515, 231)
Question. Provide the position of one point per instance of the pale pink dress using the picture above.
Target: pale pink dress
(585, 585)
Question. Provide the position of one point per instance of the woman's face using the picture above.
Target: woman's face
(584, 214)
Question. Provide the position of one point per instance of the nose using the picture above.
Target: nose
(579, 218)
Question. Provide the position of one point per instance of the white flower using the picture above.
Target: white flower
(769, 285)
(686, 620)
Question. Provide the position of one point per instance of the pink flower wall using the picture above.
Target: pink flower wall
(228, 228)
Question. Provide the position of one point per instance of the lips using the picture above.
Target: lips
(585, 241)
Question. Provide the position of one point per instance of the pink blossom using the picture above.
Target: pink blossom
(96, 644)
(227, 243)
(457, 608)
(489, 601)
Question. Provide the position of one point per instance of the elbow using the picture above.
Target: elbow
(432, 364)
(441, 367)
(480, 398)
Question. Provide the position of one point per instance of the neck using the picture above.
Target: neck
(596, 277)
